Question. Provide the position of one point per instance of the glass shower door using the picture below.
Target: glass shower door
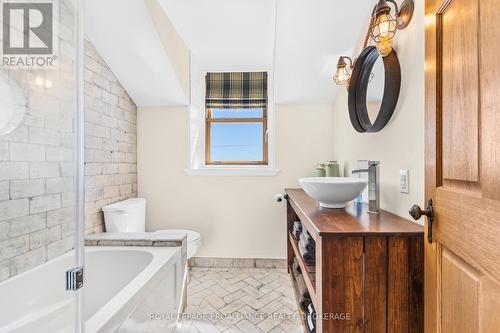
(41, 165)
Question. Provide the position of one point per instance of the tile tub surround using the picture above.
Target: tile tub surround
(138, 239)
(37, 195)
(254, 300)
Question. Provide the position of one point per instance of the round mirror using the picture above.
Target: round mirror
(373, 90)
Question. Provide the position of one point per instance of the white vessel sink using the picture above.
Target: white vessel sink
(333, 192)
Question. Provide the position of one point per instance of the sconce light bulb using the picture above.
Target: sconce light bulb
(343, 72)
(384, 27)
(342, 76)
(384, 48)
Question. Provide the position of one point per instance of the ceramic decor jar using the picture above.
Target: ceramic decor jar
(332, 169)
(320, 170)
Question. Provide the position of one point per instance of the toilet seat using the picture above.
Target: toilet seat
(192, 236)
(193, 239)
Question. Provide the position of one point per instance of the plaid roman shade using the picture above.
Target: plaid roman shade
(236, 90)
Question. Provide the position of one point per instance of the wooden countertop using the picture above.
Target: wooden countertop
(353, 220)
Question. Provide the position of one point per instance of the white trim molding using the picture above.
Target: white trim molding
(232, 171)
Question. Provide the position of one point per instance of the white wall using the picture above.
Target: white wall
(236, 216)
(400, 144)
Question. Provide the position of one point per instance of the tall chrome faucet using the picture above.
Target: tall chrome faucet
(373, 185)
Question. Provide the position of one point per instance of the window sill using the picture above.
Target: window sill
(232, 171)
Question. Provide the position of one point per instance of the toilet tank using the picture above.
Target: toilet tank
(126, 216)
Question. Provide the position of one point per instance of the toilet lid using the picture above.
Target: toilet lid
(125, 205)
(192, 236)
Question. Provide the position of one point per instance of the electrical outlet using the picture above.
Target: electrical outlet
(404, 181)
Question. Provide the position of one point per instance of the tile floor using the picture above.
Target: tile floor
(235, 300)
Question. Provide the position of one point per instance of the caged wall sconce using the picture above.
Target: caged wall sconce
(382, 29)
(343, 73)
(384, 25)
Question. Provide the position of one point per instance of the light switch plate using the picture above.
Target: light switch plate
(404, 181)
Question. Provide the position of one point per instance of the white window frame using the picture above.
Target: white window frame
(196, 126)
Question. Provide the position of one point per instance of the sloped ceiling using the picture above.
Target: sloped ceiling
(226, 32)
(126, 38)
(310, 36)
(300, 40)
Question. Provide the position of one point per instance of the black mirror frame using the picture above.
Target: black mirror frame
(358, 85)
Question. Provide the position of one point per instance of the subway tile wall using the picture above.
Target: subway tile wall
(37, 169)
(110, 142)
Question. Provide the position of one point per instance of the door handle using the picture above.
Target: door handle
(416, 212)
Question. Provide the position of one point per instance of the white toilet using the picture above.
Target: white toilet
(130, 216)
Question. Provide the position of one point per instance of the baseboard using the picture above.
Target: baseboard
(236, 262)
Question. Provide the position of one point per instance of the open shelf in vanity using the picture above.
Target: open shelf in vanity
(368, 274)
(309, 274)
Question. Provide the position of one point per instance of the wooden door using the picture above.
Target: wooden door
(462, 265)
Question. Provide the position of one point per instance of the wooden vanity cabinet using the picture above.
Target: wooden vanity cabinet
(368, 274)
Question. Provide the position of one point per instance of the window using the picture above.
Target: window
(236, 136)
(236, 119)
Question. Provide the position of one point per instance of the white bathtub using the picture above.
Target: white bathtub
(123, 286)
